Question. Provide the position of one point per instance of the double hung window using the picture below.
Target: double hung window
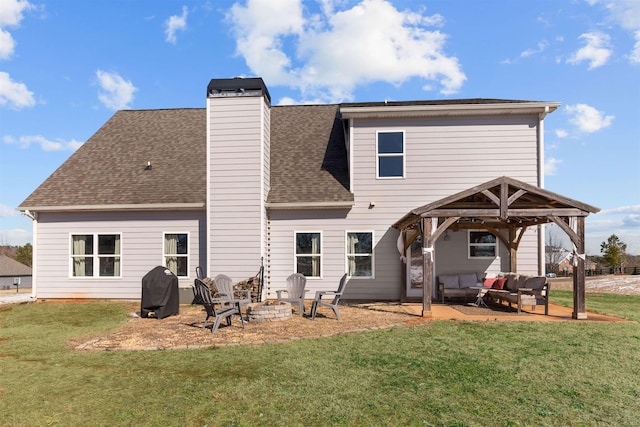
(390, 154)
(482, 244)
(95, 255)
(309, 254)
(360, 254)
(176, 253)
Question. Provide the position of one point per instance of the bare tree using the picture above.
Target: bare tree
(554, 251)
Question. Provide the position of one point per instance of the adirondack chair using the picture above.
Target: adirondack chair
(215, 307)
(224, 285)
(294, 292)
(333, 304)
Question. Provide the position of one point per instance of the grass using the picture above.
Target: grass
(441, 373)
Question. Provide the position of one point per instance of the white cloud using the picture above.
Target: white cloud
(596, 51)
(15, 237)
(11, 14)
(633, 209)
(13, 94)
(44, 143)
(561, 133)
(335, 51)
(587, 119)
(175, 23)
(539, 49)
(116, 93)
(8, 211)
(551, 166)
(626, 14)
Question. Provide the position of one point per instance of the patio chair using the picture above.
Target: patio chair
(224, 285)
(333, 304)
(294, 292)
(216, 307)
(199, 273)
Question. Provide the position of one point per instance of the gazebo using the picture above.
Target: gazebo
(506, 207)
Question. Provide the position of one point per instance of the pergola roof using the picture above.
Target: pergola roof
(500, 203)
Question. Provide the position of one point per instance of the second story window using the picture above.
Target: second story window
(390, 154)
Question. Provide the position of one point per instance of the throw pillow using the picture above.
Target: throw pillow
(489, 282)
(499, 283)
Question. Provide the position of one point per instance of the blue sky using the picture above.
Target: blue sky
(67, 66)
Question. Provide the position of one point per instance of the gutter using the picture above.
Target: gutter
(123, 207)
(448, 110)
(310, 205)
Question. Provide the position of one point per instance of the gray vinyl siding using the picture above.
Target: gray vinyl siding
(333, 224)
(141, 250)
(236, 151)
(443, 156)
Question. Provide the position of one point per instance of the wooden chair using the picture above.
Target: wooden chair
(216, 307)
(294, 292)
(333, 304)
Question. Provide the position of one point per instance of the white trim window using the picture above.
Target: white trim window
(360, 254)
(390, 154)
(175, 253)
(308, 250)
(482, 244)
(95, 255)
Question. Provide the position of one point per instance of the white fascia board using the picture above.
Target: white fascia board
(141, 207)
(448, 110)
(311, 205)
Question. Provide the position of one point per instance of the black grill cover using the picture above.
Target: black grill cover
(160, 295)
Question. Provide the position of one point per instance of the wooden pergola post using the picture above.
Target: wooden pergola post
(427, 266)
(579, 297)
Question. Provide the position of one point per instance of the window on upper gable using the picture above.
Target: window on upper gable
(390, 154)
(91, 250)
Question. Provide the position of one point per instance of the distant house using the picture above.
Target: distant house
(314, 189)
(13, 272)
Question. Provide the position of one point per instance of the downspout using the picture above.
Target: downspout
(34, 254)
(541, 228)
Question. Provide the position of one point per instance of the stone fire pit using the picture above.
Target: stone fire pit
(268, 311)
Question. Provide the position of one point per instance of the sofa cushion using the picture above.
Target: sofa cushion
(468, 280)
(512, 282)
(488, 282)
(499, 283)
(450, 281)
(522, 279)
(535, 283)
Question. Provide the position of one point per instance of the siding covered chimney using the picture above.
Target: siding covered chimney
(238, 133)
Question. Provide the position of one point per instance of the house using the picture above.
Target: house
(314, 189)
(14, 274)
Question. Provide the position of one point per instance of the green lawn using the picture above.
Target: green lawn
(438, 373)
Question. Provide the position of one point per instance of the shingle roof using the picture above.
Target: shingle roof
(109, 169)
(11, 267)
(308, 155)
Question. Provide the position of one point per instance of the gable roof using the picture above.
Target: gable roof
(11, 267)
(308, 157)
(308, 162)
(505, 199)
(110, 169)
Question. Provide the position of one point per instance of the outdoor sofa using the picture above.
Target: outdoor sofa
(519, 289)
(458, 286)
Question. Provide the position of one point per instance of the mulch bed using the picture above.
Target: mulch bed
(184, 330)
